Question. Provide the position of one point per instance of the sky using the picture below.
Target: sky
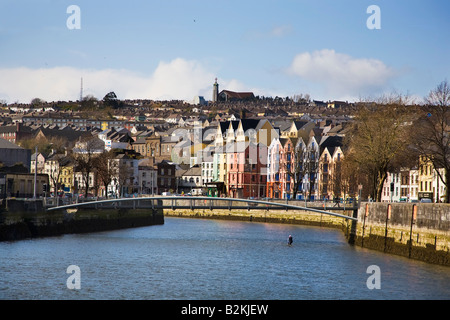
(175, 49)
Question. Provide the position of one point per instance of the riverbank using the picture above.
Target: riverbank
(426, 245)
(25, 225)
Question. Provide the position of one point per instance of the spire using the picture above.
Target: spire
(215, 91)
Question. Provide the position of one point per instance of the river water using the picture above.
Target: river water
(200, 259)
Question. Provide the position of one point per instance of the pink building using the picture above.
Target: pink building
(246, 169)
(281, 168)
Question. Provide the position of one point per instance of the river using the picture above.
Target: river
(198, 259)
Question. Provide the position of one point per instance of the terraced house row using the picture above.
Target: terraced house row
(302, 160)
(261, 158)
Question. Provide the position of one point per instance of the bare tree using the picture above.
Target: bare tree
(380, 133)
(432, 132)
(55, 162)
(105, 169)
(297, 170)
(310, 165)
(85, 160)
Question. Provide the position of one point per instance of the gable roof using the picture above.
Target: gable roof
(249, 124)
(5, 144)
(236, 95)
(331, 143)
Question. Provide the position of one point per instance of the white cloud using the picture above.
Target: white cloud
(342, 75)
(177, 79)
(280, 31)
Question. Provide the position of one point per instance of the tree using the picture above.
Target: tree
(346, 180)
(85, 161)
(89, 102)
(379, 134)
(432, 132)
(297, 170)
(37, 102)
(104, 168)
(110, 100)
(310, 165)
(55, 161)
(45, 145)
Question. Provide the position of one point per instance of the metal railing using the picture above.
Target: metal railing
(189, 202)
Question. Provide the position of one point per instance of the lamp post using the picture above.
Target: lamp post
(35, 171)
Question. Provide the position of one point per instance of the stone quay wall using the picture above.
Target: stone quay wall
(18, 225)
(419, 231)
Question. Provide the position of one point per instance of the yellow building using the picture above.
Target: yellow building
(426, 177)
(66, 176)
(104, 125)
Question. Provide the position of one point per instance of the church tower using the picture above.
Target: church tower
(215, 92)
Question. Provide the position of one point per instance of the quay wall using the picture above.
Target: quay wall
(422, 235)
(271, 216)
(18, 225)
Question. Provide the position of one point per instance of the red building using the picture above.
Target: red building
(246, 169)
(15, 132)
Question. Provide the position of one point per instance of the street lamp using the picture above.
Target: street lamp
(35, 172)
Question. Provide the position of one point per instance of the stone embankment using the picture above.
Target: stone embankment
(418, 231)
(427, 240)
(23, 221)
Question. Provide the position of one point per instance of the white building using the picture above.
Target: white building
(391, 188)
(125, 180)
(114, 139)
(40, 163)
(147, 177)
(191, 181)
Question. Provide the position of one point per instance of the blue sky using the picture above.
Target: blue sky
(175, 49)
